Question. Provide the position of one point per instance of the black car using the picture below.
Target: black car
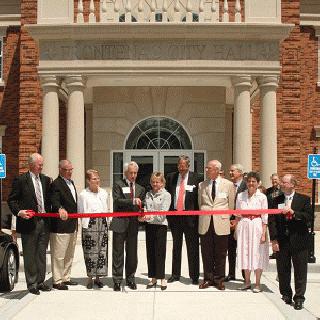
(9, 262)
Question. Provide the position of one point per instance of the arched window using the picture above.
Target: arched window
(158, 133)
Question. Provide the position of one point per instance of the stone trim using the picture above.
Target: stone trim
(224, 31)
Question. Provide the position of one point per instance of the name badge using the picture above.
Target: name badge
(222, 195)
(189, 188)
(126, 190)
(281, 206)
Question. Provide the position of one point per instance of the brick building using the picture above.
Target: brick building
(102, 82)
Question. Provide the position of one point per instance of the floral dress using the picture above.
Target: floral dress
(94, 232)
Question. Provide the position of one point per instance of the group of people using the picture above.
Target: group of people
(243, 237)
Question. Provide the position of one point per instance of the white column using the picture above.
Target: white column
(268, 127)
(50, 126)
(75, 129)
(242, 122)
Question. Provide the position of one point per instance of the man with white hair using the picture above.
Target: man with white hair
(30, 191)
(63, 234)
(215, 193)
(128, 196)
(290, 239)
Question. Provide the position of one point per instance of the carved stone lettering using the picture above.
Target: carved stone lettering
(159, 50)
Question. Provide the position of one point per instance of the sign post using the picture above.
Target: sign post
(2, 176)
(314, 174)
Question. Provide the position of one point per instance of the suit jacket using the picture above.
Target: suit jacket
(122, 203)
(224, 199)
(61, 196)
(296, 230)
(241, 188)
(191, 197)
(23, 197)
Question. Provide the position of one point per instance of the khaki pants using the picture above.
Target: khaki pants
(62, 247)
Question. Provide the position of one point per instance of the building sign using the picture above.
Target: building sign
(159, 50)
(314, 166)
(2, 166)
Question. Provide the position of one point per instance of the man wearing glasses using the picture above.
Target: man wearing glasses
(63, 234)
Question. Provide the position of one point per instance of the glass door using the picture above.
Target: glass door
(169, 160)
(147, 162)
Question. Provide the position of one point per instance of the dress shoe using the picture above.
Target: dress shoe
(195, 281)
(60, 286)
(229, 278)
(173, 279)
(205, 284)
(220, 285)
(43, 287)
(151, 285)
(116, 287)
(132, 285)
(163, 285)
(246, 287)
(34, 291)
(287, 299)
(298, 305)
(70, 283)
(98, 283)
(89, 284)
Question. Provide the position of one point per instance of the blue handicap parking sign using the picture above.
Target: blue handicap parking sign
(314, 166)
(2, 166)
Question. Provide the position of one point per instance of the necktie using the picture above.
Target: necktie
(180, 200)
(131, 190)
(38, 195)
(213, 192)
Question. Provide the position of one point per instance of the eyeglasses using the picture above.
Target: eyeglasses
(64, 169)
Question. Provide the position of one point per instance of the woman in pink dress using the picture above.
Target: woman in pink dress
(253, 247)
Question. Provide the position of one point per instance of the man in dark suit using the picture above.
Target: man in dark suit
(30, 191)
(183, 187)
(128, 196)
(63, 234)
(290, 239)
(275, 190)
(236, 176)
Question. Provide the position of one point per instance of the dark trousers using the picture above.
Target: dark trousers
(179, 226)
(232, 254)
(34, 246)
(125, 241)
(156, 243)
(300, 265)
(214, 253)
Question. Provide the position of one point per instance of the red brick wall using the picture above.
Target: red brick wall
(297, 100)
(297, 111)
(86, 11)
(9, 104)
(30, 111)
(62, 130)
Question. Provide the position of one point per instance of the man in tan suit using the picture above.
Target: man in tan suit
(215, 193)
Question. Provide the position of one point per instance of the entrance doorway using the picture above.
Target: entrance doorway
(155, 160)
(155, 144)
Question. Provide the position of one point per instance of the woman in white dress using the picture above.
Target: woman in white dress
(252, 247)
(94, 230)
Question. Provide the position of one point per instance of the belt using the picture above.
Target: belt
(252, 217)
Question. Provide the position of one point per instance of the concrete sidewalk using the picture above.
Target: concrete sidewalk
(181, 300)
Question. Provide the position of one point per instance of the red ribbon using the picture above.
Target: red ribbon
(255, 212)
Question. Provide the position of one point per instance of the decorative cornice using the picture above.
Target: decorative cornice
(223, 31)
